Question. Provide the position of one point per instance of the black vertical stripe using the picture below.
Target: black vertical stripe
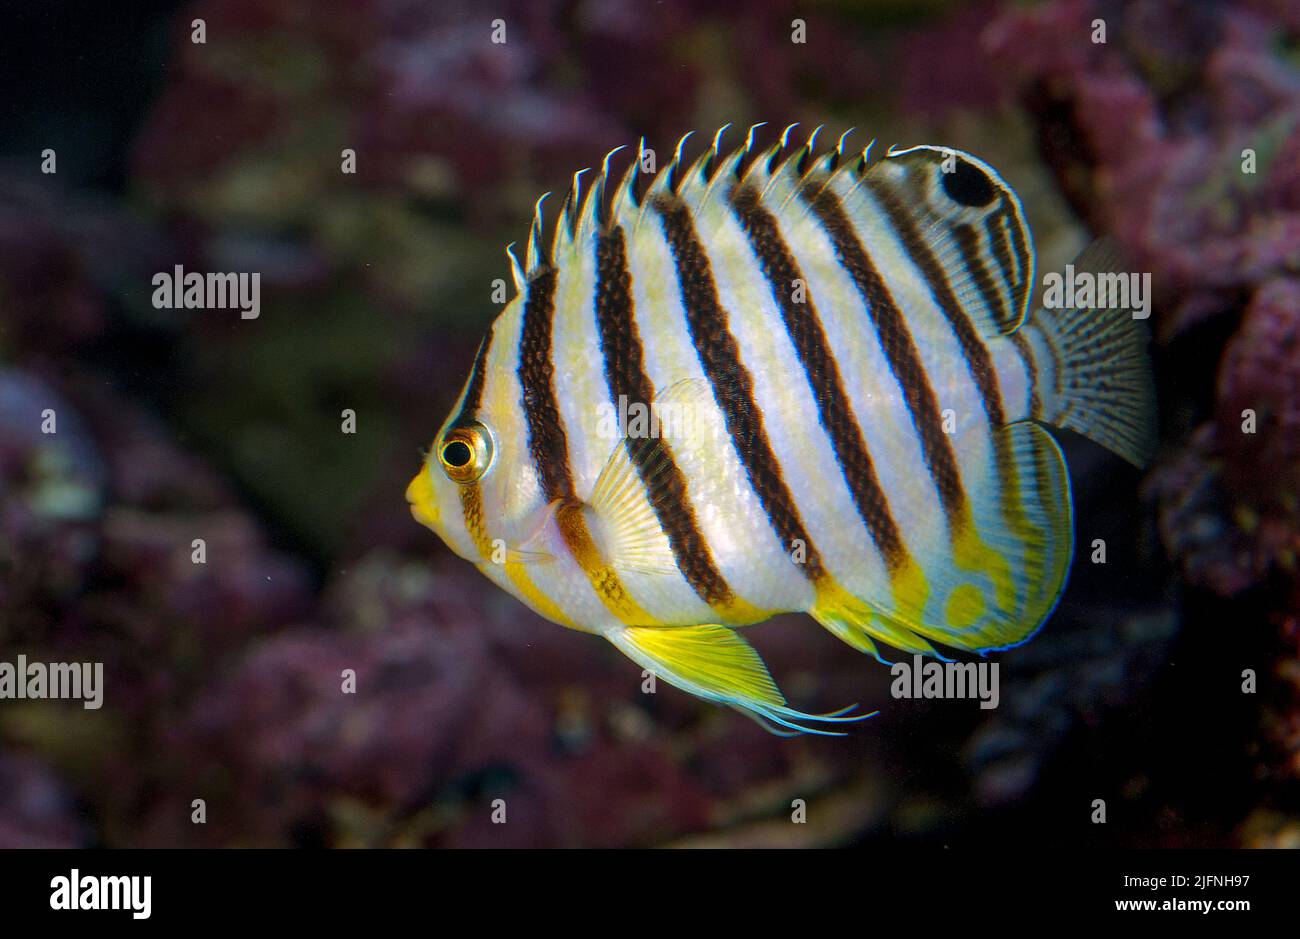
(899, 347)
(968, 243)
(474, 393)
(471, 502)
(804, 328)
(664, 482)
(996, 229)
(1016, 231)
(548, 445)
(976, 353)
(733, 388)
(979, 361)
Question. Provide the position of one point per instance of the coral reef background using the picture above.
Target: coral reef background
(222, 680)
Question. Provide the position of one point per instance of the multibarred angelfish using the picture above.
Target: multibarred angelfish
(770, 384)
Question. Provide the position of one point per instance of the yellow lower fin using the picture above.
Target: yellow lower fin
(715, 663)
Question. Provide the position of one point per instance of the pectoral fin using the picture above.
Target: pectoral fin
(622, 508)
(641, 490)
(715, 663)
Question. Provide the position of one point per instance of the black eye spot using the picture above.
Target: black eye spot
(968, 185)
(456, 453)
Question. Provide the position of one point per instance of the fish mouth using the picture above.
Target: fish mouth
(420, 495)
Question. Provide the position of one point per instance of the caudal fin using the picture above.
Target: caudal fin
(1099, 379)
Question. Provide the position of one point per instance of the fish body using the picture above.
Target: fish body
(771, 385)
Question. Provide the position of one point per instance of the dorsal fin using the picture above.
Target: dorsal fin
(778, 172)
(963, 224)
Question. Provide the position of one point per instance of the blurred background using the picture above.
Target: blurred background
(222, 680)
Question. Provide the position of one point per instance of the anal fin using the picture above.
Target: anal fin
(860, 624)
(997, 584)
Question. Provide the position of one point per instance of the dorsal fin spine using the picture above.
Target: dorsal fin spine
(536, 257)
(585, 210)
(603, 208)
(749, 149)
(674, 173)
(589, 217)
(622, 198)
(576, 201)
(516, 272)
(715, 152)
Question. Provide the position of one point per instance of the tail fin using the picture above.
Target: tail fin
(1101, 384)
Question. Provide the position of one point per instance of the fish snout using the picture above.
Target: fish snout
(424, 505)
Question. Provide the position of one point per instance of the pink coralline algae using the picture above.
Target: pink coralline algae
(1230, 502)
(1180, 134)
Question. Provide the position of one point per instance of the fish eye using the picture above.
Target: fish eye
(457, 454)
(465, 452)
